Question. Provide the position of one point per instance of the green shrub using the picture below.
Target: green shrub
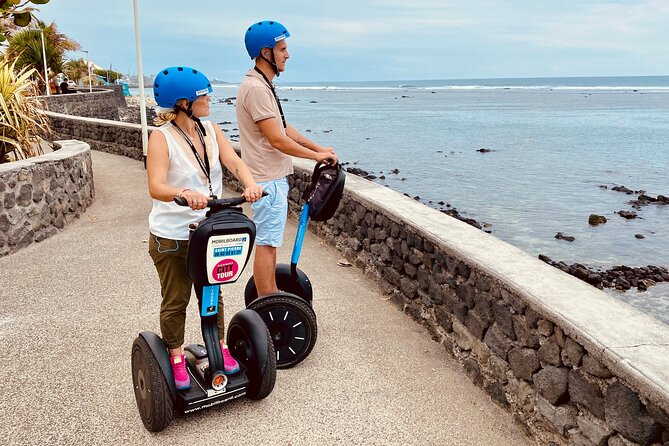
(21, 117)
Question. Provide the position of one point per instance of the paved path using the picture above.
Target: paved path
(71, 306)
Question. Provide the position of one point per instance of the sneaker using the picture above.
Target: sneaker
(181, 377)
(230, 364)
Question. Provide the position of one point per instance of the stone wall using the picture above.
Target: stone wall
(41, 195)
(574, 365)
(104, 135)
(101, 103)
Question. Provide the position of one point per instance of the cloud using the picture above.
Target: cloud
(602, 26)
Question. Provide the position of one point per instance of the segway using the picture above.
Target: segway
(289, 315)
(218, 251)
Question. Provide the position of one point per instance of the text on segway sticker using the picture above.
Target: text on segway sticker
(228, 251)
(225, 270)
(228, 240)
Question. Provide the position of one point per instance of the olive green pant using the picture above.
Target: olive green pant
(169, 257)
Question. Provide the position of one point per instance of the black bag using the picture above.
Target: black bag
(325, 190)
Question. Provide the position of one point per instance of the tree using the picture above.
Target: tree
(75, 69)
(25, 46)
(14, 15)
(113, 75)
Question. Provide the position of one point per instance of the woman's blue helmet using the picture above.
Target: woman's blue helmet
(175, 83)
(264, 34)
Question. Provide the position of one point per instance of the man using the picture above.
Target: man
(268, 142)
(65, 87)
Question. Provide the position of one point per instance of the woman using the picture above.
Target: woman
(184, 160)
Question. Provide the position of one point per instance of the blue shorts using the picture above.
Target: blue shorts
(270, 213)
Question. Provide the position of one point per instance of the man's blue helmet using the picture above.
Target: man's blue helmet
(175, 83)
(264, 34)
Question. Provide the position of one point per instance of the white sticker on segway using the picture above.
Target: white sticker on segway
(226, 255)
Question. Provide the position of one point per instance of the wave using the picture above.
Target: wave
(332, 87)
(404, 87)
(542, 87)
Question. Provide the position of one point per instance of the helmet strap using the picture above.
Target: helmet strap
(271, 62)
(189, 112)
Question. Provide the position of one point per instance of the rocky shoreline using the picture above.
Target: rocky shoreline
(620, 277)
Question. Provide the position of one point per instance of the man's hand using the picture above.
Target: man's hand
(325, 157)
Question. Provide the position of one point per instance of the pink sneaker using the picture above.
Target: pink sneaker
(230, 364)
(181, 377)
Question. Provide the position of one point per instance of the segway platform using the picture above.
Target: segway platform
(200, 395)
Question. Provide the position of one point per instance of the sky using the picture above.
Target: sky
(358, 40)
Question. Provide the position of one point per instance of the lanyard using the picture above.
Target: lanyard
(204, 165)
(271, 87)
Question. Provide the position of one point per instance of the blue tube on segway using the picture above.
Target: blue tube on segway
(210, 300)
(299, 237)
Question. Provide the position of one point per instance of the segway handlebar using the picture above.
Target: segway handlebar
(218, 202)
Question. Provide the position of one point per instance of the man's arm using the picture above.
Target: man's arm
(304, 141)
(286, 144)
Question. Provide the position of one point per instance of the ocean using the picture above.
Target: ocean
(557, 147)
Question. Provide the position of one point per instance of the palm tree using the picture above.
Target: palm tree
(25, 46)
(75, 69)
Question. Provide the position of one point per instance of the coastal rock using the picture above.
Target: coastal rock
(455, 214)
(561, 236)
(644, 200)
(357, 171)
(595, 220)
(621, 277)
(629, 215)
(622, 189)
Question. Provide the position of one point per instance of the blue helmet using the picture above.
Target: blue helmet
(175, 83)
(264, 34)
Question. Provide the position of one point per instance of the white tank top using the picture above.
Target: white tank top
(167, 219)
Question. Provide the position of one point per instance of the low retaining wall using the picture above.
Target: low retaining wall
(104, 135)
(40, 195)
(574, 365)
(101, 103)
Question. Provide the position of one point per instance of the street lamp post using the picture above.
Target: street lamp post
(140, 78)
(46, 75)
(88, 67)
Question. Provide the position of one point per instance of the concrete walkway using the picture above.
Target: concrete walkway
(71, 306)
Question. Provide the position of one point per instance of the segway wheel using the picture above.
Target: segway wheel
(299, 286)
(250, 343)
(292, 326)
(154, 400)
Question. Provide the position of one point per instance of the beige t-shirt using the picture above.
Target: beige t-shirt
(255, 102)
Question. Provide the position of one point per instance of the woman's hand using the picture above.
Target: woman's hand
(252, 193)
(196, 200)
